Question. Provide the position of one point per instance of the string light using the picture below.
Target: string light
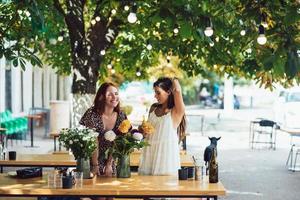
(109, 66)
(93, 22)
(60, 38)
(243, 32)
(138, 72)
(261, 39)
(176, 30)
(149, 46)
(209, 30)
(113, 11)
(113, 71)
(97, 18)
(132, 15)
(126, 7)
(102, 52)
(211, 44)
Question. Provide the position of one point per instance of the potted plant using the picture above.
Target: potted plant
(124, 143)
(82, 143)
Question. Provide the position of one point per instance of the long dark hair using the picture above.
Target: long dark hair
(166, 84)
(99, 101)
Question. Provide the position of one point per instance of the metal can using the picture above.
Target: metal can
(197, 172)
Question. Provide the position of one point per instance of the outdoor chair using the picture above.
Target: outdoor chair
(264, 132)
(15, 127)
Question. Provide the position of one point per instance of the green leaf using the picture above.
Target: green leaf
(186, 30)
(15, 62)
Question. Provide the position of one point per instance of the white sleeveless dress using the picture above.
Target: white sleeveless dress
(162, 156)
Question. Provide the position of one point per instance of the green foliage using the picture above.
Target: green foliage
(277, 61)
(82, 142)
(124, 145)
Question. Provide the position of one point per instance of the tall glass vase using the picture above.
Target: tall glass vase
(83, 165)
(123, 166)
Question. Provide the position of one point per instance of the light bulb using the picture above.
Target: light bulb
(175, 30)
(109, 66)
(243, 32)
(97, 18)
(126, 8)
(211, 44)
(149, 47)
(60, 38)
(113, 11)
(265, 24)
(113, 71)
(102, 52)
(261, 39)
(93, 22)
(138, 73)
(208, 31)
(132, 18)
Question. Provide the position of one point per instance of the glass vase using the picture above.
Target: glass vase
(123, 166)
(83, 165)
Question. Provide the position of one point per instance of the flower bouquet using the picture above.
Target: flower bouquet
(124, 143)
(82, 143)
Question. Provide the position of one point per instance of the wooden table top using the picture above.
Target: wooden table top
(56, 160)
(36, 116)
(105, 186)
(51, 160)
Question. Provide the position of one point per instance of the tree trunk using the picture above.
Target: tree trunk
(80, 103)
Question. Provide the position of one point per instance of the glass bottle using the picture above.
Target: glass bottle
(213, 168)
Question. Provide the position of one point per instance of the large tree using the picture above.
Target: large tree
(83, 37)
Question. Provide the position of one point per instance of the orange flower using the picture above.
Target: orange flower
(146, 128)
(124, 126)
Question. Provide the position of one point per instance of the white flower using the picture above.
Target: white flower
(110, 136)
(137, 136)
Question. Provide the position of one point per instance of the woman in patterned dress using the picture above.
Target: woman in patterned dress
(103, 116)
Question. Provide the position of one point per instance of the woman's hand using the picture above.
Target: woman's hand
(108, 171)
(175, 85)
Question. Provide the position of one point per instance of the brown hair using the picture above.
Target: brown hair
(99, 101)
(166, 84)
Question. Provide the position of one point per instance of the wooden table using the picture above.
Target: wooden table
(55, 135)
(31, 118)
(290, 163)
(40, 160)
(134, 187)
(66, 160)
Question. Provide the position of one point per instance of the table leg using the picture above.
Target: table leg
(54, 143)
(31, 132)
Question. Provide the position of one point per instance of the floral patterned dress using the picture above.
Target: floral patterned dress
(92, 119)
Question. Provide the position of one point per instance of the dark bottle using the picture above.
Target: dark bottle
(213, 168)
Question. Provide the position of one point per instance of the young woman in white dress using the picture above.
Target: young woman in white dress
(167, 116)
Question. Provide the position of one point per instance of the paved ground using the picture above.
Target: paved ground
(246, 173)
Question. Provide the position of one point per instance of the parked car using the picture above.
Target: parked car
(287, 108)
